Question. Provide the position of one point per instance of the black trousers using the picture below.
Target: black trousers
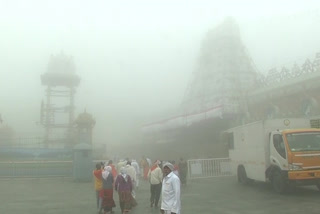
(155, 190)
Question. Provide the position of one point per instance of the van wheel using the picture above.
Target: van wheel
(279, 183)
(242, 175)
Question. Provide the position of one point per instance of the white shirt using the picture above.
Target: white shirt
(136, 166)
(170, 193)
(131, 172)
(149, 162)
(155, 176)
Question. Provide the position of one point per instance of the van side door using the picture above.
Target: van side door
(278, 153)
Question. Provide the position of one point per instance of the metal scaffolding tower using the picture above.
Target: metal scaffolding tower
(57, 113)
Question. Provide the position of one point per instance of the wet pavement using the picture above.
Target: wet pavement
(202, 196)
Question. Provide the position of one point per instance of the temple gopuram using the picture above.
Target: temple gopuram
(226, 90)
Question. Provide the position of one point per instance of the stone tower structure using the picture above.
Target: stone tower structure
(224, 72)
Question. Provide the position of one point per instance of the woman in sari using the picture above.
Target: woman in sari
(124, 187)
(107, 192)
(145, 166)
(113, 169)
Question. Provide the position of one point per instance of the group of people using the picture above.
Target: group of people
(164, 179)
(107, 179)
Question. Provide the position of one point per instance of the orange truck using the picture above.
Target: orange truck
(285, 152)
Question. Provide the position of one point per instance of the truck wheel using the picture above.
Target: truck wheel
(279, 183)
(242, 175)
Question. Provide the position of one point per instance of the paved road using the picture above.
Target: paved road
(204, 196)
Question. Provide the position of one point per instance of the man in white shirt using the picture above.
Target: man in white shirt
(131, 171)
(170, 191)
(135, 164)
(155, 179)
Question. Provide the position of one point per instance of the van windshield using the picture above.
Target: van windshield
(309, 141)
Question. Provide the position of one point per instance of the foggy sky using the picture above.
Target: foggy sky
(135, 58)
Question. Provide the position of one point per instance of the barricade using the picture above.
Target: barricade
(205, 168)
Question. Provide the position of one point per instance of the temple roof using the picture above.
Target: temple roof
(85, 120)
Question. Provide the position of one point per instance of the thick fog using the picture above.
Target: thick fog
(134, 58)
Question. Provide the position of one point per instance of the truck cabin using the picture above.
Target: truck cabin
(303, 141)
(298, 141)
(279, 145)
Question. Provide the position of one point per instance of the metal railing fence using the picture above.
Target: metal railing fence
(205, 168)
